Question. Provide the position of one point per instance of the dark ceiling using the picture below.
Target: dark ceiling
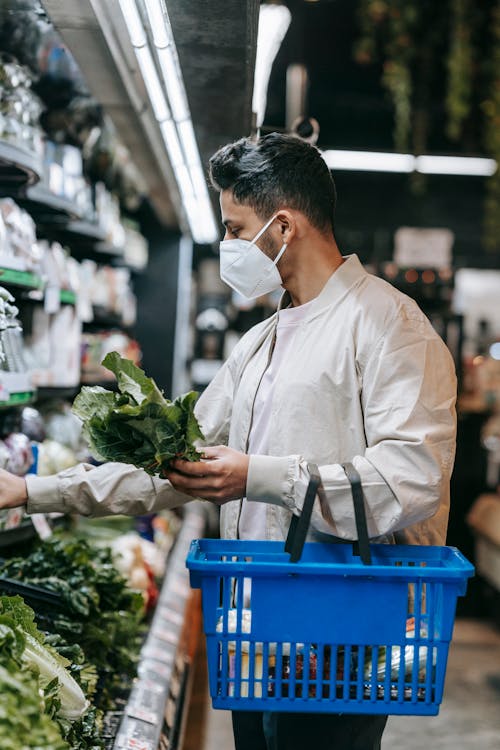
(355, 112)
(347, 98)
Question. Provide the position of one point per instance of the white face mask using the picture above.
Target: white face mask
(246, 269)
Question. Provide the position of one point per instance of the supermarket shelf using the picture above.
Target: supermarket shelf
(158, 699)
(18, 168)
(44, 393)
(85, 239)
(44, 205)
(22, 533)
(104, 318)
(13, 277)
(68, 297)
(18, 399)
(24, 279)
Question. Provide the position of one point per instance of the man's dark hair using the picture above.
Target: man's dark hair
(277, 171)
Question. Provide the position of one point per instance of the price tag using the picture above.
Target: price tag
(41, 525)
(4, 392)
(151, 685)
(156, 652)
(134, 736)
(180, 587)
(165, 613)
(144, 714)
(166, 634)
(154, 670)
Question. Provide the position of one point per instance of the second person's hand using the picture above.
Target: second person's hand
(12, 490)
(220, 476)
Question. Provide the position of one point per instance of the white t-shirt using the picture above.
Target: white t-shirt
(252, 521)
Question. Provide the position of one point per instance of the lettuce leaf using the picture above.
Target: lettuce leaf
(25, 711)
(138, 425)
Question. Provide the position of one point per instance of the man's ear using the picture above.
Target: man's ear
(287, 225)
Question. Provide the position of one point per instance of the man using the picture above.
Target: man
(348, 369)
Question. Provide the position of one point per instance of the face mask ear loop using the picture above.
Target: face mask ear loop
(275, 261)
(261, 232)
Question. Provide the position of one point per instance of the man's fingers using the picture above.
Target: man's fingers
(213, 451)
(184, 482)
(193, 468)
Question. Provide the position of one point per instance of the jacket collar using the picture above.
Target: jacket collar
(349, 273)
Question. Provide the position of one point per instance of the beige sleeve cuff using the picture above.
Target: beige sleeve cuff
(44, 495)
(270, 480)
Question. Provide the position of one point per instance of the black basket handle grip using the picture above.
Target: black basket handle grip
(299, 525)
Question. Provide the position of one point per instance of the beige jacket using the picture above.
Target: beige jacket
(368, 381)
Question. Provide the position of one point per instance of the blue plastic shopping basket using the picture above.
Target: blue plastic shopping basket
(344, 630)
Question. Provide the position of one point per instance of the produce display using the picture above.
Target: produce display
(138, 425)
(42, 706)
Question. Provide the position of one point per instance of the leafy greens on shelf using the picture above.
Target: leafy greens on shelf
(41, 705)
(99, 612)
(138, 425)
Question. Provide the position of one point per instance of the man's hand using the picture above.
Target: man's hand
(12, 490)
(220, 476)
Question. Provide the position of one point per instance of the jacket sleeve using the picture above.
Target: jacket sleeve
(408, 396)
(117, 488)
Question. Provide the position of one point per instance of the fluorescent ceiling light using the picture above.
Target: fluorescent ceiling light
(134, 24)
(171, 139)
(188, 140)
(158, 22)
(199, 180)
(177, 133)
(459, 165)
(274, 21)
(153, 85)
(370, 161)
(173, 81)
(378, 161)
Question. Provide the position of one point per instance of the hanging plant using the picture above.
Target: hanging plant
(387, 29)
(491, 111)
(414, 39)
(459, 65)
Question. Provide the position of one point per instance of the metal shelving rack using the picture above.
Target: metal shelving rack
(156, 709)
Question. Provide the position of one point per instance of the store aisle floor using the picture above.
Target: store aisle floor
(469, 718)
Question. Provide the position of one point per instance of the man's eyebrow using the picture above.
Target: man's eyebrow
(226, 222)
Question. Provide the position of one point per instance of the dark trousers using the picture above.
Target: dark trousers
(288, 731)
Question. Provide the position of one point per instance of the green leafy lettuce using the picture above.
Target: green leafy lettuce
(137, 425)
(98, 610)
(28, 712)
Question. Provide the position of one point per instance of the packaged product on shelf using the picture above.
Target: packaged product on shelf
(111, 293)
(20, 107)
(109, 217)
(20, 453)
(13, 368)
(95, 346)
(53, 347)
(20, 249)
(59, 270)
(63, 176)
(57, 433)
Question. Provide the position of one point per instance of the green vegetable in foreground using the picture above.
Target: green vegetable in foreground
(138, 425)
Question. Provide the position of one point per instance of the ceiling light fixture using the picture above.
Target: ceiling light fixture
(175, 122)
(370, 161)
(274, 20)
(378, 161)
(458, 165)
(153, 85)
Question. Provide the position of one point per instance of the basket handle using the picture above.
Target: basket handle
(299, 525)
